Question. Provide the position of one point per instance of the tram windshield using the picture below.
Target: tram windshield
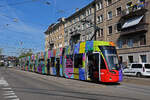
(110, 55)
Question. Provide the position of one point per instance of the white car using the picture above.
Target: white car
(137, 69)
(10, 65)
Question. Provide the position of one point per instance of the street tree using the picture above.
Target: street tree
(25, 54)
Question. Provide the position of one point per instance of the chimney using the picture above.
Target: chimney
(77, 9)
(61, 19)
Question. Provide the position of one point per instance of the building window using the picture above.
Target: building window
(65, 24)
(78, 27)
(119, 44)
(99, 6)
(110, 30)
(130, 43)
(130, 59)
(100, 18)
(109, 2)
(76, 19)
(82, 16)
(118, 11)
(98, 33)
(109, 15)
(82, 26)
(143, 58)
(117, 27)
(87, 12)
(70, 30)
(143, 40)
(70, 22)
(101, 31)
(85, 26)
(90, 11)
(79, 17)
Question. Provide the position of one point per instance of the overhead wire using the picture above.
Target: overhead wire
(60, 11)
(20, 3)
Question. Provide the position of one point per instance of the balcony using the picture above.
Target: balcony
(134, 11)
(142, 27)
(75, 33)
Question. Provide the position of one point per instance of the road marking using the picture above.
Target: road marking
(13, 96)
(7, 88)
(16, 99)
(3, 82)
(9, 94)
(9, 91)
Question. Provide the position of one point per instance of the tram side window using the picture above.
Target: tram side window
(27, 63)
(42, 61)
(38, 61)
(69, 61)
(103, 66)
(52, 61)
(78, 60)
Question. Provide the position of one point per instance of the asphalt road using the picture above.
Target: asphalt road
(21, 85)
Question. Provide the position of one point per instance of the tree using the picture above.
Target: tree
(25, 54)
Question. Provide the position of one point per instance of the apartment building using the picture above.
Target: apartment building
(79, 26)
(125, 22)
(55, 35)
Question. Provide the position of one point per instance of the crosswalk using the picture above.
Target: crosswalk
(8, 92)
(3, 82)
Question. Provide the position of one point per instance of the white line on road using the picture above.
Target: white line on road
(13, 96)
(9, 91)
(9, 94)
(7, 88)
(16, 99)
(3, 82)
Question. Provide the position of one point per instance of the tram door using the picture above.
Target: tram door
(57, 66)
(93, 66)
(48, 66)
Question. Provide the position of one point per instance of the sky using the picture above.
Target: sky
(23, 22)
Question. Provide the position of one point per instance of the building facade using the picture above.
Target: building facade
(79, 26)
(55, 35)
(124, 22)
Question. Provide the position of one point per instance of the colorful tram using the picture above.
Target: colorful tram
(89, 60)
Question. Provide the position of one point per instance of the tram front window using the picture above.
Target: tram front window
(110, 55)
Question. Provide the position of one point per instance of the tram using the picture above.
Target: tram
(89, 60)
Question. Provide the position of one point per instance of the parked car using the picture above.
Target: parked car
(137, 69)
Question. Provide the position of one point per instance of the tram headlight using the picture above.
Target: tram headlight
(110, 78)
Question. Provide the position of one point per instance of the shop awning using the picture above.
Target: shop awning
(132, 22)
